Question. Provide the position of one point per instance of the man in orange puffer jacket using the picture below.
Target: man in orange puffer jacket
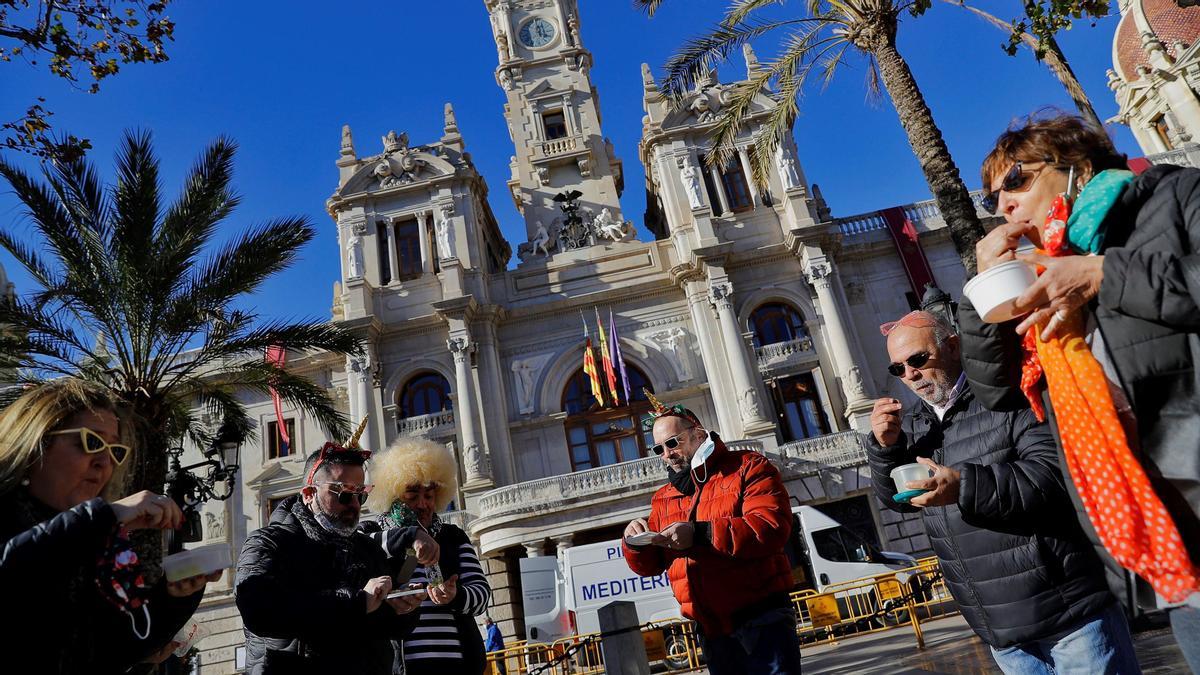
(721, 526)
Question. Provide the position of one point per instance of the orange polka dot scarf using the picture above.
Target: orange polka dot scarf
(1126, 513)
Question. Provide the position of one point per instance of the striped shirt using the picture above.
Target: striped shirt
(436, 635)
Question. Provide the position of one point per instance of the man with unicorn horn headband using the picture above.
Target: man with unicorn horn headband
(312, 590)
(718, 530)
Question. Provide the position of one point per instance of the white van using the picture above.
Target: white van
(561, 596)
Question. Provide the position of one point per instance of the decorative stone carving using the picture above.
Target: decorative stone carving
(523, 375)
(787, 168)
(691, 183)
(585, 166)
(460, 348)
(214, 526)
(502, 47)
(607, 226)
(573, 30)
(347, 141)
(748, 404)
(540, 239)
(479, 463)
(445, 236)
(361, 367)
(506, 79)
(354, 256)
(673, 343)
(719, 296)
(394, 142)
(543, 174)
(853, 383)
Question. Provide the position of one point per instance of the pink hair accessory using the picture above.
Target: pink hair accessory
(914, 319)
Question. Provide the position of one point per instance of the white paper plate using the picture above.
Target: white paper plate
(642, 539)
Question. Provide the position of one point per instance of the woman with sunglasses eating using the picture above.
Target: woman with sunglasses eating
(1106, 342)
(66, 566)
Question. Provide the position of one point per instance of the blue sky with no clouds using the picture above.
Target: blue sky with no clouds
(282, 78)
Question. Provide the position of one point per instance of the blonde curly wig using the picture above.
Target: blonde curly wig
(412, 461)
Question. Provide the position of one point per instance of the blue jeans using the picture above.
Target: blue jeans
(1100, 645)
(764, 645)
(1185, 624)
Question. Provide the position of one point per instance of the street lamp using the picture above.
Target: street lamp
(938, 303)
(190, 489)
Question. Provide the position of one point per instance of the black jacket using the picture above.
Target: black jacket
(59, 623)
(1011, 550)
(1148, 311)
(299, 590)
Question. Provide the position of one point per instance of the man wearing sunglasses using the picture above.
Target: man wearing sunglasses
(996, 511)
(721, 522)
(312, 589)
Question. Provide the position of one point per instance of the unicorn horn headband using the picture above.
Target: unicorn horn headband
(362, 426)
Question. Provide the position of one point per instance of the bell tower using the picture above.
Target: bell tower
(553, 114)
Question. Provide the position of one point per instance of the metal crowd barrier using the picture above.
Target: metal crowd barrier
(905, 597)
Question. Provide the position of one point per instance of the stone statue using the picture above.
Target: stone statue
(691, 182)
(787, 168)
(523, 370)
(573, 30)
(673, 343)
(506, 78)
(383, 171)
(854, 384)
(607, 226)
(214, 528)
(478, 463)
(354, 267)
(748, 404)
(540, 239)
(502, 47)
(445, 236)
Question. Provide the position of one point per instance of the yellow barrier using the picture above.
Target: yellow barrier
(902, 598)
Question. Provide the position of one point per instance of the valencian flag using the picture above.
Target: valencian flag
(276, 356)
(610, 375)
(617, 359)
(589, 364)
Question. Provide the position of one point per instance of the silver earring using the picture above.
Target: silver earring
(24, 482)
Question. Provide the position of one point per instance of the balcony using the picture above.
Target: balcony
(434, 425)
(924, 215)
(559, 147)
(1188, 155)
(810, 456)
(783, 356)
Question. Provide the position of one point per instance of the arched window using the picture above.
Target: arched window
(599, 436)
(776, 322)
(424, 394)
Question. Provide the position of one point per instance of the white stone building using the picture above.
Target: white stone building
(751, 305)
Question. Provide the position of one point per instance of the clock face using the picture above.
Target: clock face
(536, 33)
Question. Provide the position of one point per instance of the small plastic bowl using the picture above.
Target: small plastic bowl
(901, 475)
(197, 561)
(993, 292)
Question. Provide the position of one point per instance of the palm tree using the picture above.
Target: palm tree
(821, 39)
(139, 298)
(1047, 50)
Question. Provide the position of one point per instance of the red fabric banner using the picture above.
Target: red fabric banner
(908, 245)
(277, 356)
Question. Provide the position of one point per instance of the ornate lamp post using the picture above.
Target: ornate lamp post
(190, 489)
(938, 303)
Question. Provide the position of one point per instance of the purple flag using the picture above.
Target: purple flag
(618, 362)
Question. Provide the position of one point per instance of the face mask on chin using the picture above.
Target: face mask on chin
(704, 451)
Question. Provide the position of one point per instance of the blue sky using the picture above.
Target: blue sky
(282, 78)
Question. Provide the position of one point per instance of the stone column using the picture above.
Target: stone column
(389, 242)
(533, 549)
(475, 455)
(710, 358)
(428, 250)
(358, 387)
(749, 406)
(562, 543)
(720, 189)
(819, 271)
(749, 171)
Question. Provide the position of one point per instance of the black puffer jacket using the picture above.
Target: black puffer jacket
(1148, 311)
(299, 590)
(1011, 550)
(59, 621)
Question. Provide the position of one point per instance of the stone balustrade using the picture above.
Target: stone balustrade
(924, 214)
(1188, 155)
(433, 425)
(812, 455)
(459, 518)
(780, 355)
(559, 146)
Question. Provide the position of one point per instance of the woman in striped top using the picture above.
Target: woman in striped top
(414, 481)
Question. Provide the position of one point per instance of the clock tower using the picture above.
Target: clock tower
(553, 115)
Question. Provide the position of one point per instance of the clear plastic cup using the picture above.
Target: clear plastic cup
(901, 476)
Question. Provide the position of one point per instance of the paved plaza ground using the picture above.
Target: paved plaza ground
(952, 648)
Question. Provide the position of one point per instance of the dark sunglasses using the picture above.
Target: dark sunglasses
(1016, 180)
(92, 443)
(669, 444)
(347, 493)
(916, 361)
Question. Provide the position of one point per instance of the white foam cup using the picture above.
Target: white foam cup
(993, 292)
(901, 475)
(196, 561)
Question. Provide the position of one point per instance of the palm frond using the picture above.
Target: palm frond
(742, 9)
(648, 6)
(700, 54)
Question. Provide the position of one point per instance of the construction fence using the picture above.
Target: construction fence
(901, 599)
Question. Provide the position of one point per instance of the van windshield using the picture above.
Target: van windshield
(841, 545)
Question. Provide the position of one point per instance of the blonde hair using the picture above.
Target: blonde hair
(25, 422)
(413, 461)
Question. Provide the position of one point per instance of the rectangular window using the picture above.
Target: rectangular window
(555, 124)
(408, 249)
(1164, 134)
(798, 407)
(737, 190)
(385, 265)
(272, 504)
(276, 448)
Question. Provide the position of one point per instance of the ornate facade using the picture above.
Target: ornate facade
(748, 303)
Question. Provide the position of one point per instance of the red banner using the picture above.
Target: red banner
(277, 356)
(908, 245)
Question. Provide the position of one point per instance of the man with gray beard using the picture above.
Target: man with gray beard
(997, 513)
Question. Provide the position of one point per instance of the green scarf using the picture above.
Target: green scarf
(400, 515)
(1085, 227)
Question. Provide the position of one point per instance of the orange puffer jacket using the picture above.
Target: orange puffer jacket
(746, 506)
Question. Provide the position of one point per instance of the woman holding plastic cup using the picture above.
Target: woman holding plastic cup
(1105, 341)
(67, 570)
